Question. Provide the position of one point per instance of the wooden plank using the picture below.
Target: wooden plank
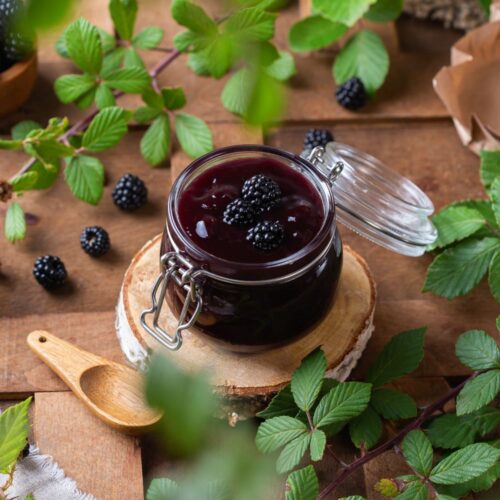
(102, 461)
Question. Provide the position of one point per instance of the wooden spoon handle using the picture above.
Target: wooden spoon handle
(65, 359)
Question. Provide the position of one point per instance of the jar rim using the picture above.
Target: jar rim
(301, 256)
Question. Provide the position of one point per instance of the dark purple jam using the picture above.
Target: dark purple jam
(201, 210)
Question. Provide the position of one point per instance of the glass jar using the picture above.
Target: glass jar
(248, 307)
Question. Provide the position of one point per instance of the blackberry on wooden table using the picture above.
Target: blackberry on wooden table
(351, 94)
(95, 241)
(50, 272)
(317, 137)
(130, 193)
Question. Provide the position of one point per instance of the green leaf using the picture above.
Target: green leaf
(365, 430)
(152, 99)
(456, 223)
(486, 5)
(459, 269)
(132, 59)
(104, 97)
(252, 24)
(478, 392)
(482, 482)
(68, 88)
(146, 114)
(217, 57)
(482, 206)
(393, 405)
(108, 41)
(123, 14)
(266, 101)
(173, 97)
(494, 276)
(278, 431)
(401, 355)
(112, 61)
(302, 484)
(414, 491)
(308, 378)
(465, 464)
(148, 38)
(490, 167)
(47, 150)
(193, 17)
(314, 33)
(85, 177)
(352, 497)
(193, 134)
(14, 427)
(342, 11)
(24, 181)
(15, 230)
(452, 431)
(162, 489)
(282, 404)
(155, 144)
(384, 10)
(417, 451)
(282, 68)
(345, 401)
(84, 46)
(46, 178)
(495, 199)
(477, 350)
(22, 129)
(105, 130)
(292, 453)
(236, 94)
(189, 40)
(364, 56)
(318, 444)
(10, 145)
(130, 80)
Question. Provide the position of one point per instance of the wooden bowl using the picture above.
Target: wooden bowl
(16, 84)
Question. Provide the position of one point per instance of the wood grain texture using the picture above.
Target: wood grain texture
(101, 460)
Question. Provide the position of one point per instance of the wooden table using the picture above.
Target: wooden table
(405, 126)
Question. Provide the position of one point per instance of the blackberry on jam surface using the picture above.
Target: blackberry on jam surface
(239, 213)
(351, 94)
(50, 272)
(95, 241)
(316, 137)
(130, 193)
(266, 235)
(262, 192)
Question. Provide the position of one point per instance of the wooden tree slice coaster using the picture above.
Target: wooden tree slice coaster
(248, 381)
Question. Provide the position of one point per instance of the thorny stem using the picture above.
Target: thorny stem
(415, 424)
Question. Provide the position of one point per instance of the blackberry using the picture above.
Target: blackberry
(315, 138)
(351, 94)
(261, 192)
(266, 235)
(239, 213)
(130, 193)
(50, 272)
(95, 241)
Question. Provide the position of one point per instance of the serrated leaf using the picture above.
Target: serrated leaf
(482, 206)
(314, 33)
(10, 144)
(494, 276)
(302, 484)
(281, 404)
(217, 57)
(105, 130)
(15, 230)
(252, 24)
(108, 41)
(22, 129)
(387, 487)
(146, 114)
(318, 444)
(130, 80)
(148, 38)
(153, 99)
(193, 134)
(84, 46)
(278, 431)
(155, 144)
(459, 269)
(104, 97)
(236, 94)
(478, 392)
(282, 68)
(414, 491)
(132, 59)
(68, 88)
(47, 150)
(417, 451)
(162, 489)
(46, 178)
(452, 431)
(193, 17)
(24, 181)
(401, 355)
(383, 11)
(393, 404)
(465, 464)
(123, 14)
(490, 167)
(482, 482)
(14, 427)
(189, 40)
(112, 61)
(365, 430)
(342, 11)
(173, 97)
(477, 350)
(365, 57)
(292, 453)
(456, 223)
(308, 378)
(345, 401)
(85, 178)
(495, 199)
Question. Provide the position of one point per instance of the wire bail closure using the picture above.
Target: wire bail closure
(175, 267)
(317, 158)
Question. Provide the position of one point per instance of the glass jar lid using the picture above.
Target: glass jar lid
(376, 201)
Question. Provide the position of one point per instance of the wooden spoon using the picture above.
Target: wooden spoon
(113, 392)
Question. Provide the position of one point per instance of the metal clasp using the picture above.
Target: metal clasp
(317, 158)
(177, 268)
